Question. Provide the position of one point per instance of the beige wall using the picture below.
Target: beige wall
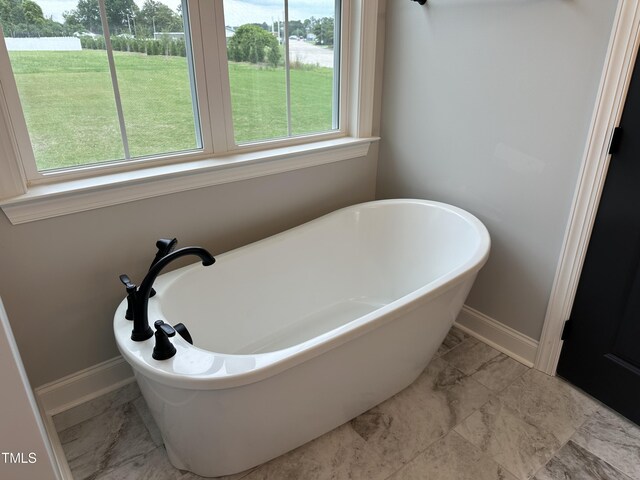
(487, 105)
(59, 277)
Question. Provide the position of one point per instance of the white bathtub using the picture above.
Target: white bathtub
(303, 331)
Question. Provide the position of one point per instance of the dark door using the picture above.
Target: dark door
(601, 352)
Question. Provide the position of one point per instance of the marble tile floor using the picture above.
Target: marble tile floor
(474, 413)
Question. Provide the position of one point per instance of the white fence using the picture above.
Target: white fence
(43, 43)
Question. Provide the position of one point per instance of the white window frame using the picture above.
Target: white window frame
(27, 196)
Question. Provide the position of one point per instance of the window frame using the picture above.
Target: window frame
(24, 193)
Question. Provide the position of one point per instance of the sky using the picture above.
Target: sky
(237, 12)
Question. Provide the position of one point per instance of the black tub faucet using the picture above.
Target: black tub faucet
(138, 300)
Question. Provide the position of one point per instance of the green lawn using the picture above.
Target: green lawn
(68, 103)
(259, 101)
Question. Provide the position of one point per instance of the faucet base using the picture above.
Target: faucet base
(142, 336)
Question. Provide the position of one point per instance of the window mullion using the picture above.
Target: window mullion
(226, 115)
(195, 98)
(13, 181)
(287, 73)
(199, 83)
(14, 116)
(337, 61)
(114, 78)
(214, 59)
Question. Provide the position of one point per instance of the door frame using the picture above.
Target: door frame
(614, 84)
(23, 428)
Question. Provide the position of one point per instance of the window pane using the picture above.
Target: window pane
(256, 70)
(271, 97)
(152, 59)
(65, 90)
(312, 58)
(58, 54)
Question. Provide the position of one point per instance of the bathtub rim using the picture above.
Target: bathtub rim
(272, 363)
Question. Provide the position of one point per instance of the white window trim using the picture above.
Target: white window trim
(23, 201)
(72, 196)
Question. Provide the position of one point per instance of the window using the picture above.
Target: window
(112, 86)
(115, 80)
(296, 93)
(90, 97)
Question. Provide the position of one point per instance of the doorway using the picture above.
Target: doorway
(601, 350)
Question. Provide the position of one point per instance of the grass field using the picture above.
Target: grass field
(68, 102)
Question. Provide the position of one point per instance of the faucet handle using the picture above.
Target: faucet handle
(165, 246)
(129, 285)
(167, 329)
(163, 349)
(184, 333)
(131, 291)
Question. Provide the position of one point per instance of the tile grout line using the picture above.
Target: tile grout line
(448, 431)
(452, 429)
(495, 395)
(555, 454)
(585, 447)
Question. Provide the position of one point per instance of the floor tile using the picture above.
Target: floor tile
(612, 438)
(105, 442)
(95, 407)
(474, 413)
(519, 446)
(409, 422)
(471, 356)
(574, 462)
(339, 454)
(499, 372)
(153, 465)
(549, 403)
(454, 338)
(452, 458)
(236, 476)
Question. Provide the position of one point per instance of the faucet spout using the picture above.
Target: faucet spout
(141, 330)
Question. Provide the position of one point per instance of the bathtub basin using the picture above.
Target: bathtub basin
(303, 331)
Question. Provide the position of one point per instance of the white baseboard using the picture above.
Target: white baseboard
(85, 385)
(93, 382)
(58, 450)
(499, 336)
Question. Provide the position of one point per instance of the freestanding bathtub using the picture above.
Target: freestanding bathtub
(301, 332)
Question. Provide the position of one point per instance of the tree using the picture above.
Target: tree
(32, 12)
(262, 25)
(5, 14)
(296, 27)
(24, 18)
(120, 14)
(87, 15)
(274, 55)
(251, 43)
(157, 17)
(323, 30)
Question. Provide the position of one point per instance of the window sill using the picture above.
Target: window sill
(72, 196)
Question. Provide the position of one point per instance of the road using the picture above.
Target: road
(306, 52)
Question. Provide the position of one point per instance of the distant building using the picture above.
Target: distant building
(31, 44)
(85, 34)
(228, 31)
(169, 35)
